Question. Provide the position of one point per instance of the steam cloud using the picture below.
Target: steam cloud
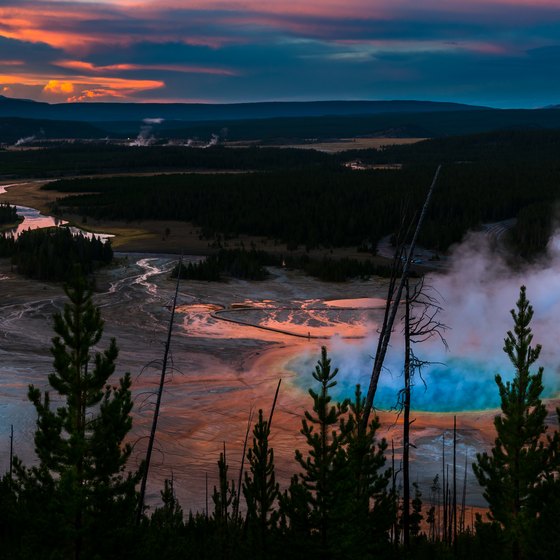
(214, 141)
(157, 120)
(476, 294)
(26, 140)
(145, 136)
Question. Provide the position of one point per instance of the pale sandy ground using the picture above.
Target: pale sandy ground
(344, 144)
(220, 370)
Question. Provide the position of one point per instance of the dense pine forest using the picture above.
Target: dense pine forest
(312, 199)
(236, 263)
(51, 254)
(8, 215)
(308, 208)
(90, 158)
(250, 265)
(80, 500)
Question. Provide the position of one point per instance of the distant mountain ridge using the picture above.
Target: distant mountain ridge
(193, 112)
(286, 122)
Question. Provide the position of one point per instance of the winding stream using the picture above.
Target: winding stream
(33, 219)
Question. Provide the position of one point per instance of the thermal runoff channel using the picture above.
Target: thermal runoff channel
(475, 295)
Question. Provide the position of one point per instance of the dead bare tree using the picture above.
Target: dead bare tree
(158, 400)
(418, 327)
(240, 479)
(406, 421)
(444, 528)
(464, 497)
(393, 302)
(455, 484)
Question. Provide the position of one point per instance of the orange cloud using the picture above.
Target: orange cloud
(12, 63)
(89, 94)
(54, 83)
(9, 79)
(82, 87)
(56, 86)
(318, 8)
(70, 27)
(183, 68)
(83, 26)
(56, 26)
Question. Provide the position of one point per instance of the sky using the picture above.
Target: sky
(501, 53)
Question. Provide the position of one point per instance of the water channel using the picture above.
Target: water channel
(33, 219)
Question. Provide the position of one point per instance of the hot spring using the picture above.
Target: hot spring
(459, 385)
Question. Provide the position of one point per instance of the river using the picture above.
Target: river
(33, 219)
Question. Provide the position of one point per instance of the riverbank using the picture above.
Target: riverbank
(161, 236)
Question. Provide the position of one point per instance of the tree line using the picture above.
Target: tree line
(329, 207)
(250, 265)
(235, 263)
(50, 254)
(69, 159)
(487, 177)
(8, 214)
(80, 499)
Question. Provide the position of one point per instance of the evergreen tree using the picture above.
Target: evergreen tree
(260, 487)
(320, 477)
(169, 516)
(520, 464)
(9, 521)
(295, 518)
(224, 494)
(80, 496)
(8, 214)
(341, 497)
(163, 534)
(224, 497)
(416, 514)
(365, 508)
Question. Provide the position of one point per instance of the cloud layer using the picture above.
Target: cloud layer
(497, 52)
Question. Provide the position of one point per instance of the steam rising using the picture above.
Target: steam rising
(477, 294)
(26, 140)
(145, 136)
(214, 140)
(29, 139)
(157, 120)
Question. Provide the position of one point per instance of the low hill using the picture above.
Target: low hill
(20, 131)
(96, 112)
(445, 121)
(398, 125)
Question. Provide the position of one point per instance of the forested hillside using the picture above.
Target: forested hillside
(88, 159)
(332, 207)
(309, 198)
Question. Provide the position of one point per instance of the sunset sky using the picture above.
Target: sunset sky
(503, 53)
